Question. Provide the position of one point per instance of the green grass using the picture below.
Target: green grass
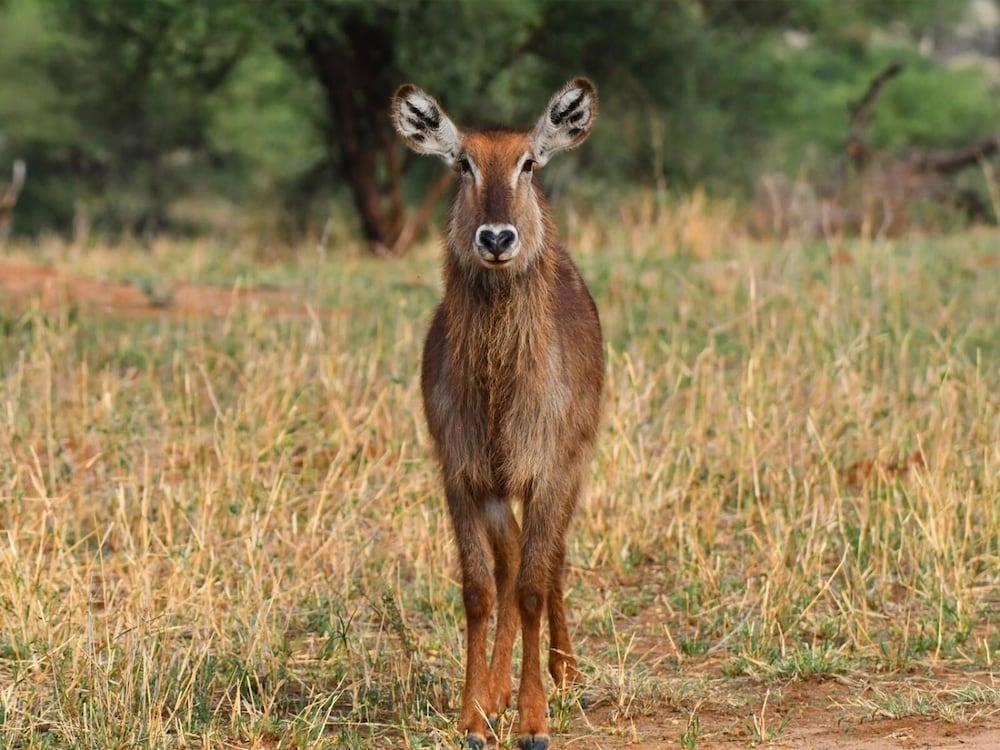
(229, 531)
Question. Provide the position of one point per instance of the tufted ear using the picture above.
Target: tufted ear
(423, 124)
(567, 121)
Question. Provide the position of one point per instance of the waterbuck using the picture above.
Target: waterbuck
(512, 376)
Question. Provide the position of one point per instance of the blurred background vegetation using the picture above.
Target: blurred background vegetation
(191, 117)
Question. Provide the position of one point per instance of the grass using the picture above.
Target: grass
(964, 705)
(228, 532)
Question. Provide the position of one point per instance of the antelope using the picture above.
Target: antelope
(512, 379)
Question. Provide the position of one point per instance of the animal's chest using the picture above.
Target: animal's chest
(502, 423)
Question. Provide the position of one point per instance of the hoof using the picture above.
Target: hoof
(493, 721)
(533, 743)
(475, 742)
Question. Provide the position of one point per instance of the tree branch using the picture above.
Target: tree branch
(862, 108)
(948, 162)
(418, 219)
(857, 147)
(10, 195)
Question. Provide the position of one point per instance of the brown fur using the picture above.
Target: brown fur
(512, 378)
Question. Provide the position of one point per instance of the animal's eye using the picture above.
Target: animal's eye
(528, 165)
(464, 164)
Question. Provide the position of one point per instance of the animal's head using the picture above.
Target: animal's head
(498, 217)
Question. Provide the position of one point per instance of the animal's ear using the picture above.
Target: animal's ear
(423, 124)
(567, 121)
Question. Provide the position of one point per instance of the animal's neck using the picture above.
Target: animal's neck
(500, 326)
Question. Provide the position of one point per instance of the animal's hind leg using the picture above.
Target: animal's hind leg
(505, 540)
(562, 662)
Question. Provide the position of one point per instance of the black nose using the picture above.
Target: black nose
(505, 239)
(497, 242)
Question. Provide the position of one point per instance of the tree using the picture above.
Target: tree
(109, 103)
(136, 78)
(123, 107)
(360, 51)
(8, 196)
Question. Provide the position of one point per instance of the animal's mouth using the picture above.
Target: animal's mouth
(489, 260)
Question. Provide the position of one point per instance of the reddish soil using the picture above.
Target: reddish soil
(50, 289)
(912, 732)
(834, 713)
(815, 715)
(900, 734)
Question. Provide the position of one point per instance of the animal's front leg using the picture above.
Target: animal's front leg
(478, 596)
(541, 525)
(505, 538)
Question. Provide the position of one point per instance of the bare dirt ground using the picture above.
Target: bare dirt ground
(51, 288)
(898, 733)
(923, 707)
(822, 715)
(816, 718)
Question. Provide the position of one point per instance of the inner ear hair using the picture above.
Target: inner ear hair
(561, 111)
(568, 119)
(422, 123)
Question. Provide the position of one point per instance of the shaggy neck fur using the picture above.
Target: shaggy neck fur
(500, 323)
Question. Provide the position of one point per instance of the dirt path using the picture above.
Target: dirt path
(899, 733)
(51, 288)
(903, 734)
(813, 729)
(843, 713)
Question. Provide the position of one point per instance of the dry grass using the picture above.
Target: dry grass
(228, 532)
(963, 705)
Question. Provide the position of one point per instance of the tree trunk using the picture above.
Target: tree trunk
(356, 73)
(9, 196)
(858, 149)
(946, 162)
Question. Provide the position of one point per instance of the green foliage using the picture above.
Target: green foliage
(33, 123)
(927, 106)
(122, 109)
(264, 125)
(932, 108)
